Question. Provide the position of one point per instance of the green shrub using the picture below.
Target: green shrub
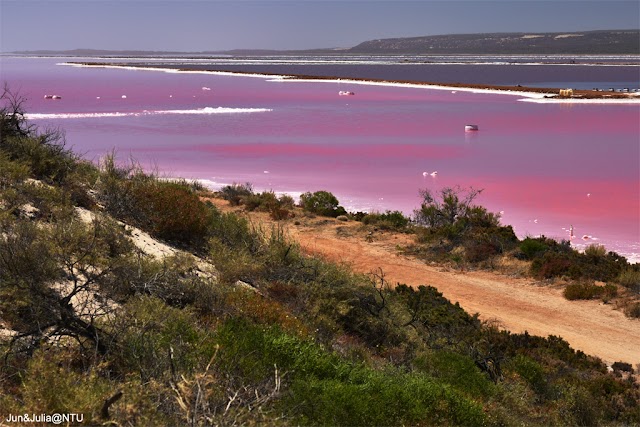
(234, 231)
(156, 341)
(630, 278)
(579, 407)
(278, 208)
(382, 398)
(622, 367)
(264, 201)
(576, 291)
(533, 248)
(533, 373)
(235, 194)
(390, 220)
(443, 324)
(12, 171)
(633, 310)
(480, 249)
(46, 155)
(52, 385)
(457, 370)
(322, 203)
(326, 390)
(559, 259)
(552, 264)
(286, 201)
(169, 210)
(172, 211)
(595, 251)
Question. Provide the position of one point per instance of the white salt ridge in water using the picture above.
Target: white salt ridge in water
(206, 110)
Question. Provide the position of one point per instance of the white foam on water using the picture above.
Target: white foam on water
(36, 116)
(630, 100)
(205, 110)
(175, 70)
(216, 110)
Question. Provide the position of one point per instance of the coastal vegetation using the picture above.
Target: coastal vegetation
(213, 320)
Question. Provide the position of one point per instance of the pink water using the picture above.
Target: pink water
(547, 166)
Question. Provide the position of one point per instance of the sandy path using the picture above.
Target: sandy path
(517, 304)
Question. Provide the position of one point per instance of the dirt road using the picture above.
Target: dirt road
(517, 304)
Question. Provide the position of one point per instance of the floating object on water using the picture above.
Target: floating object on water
(170, 96)
(346, 93)
(265, 171)
(52, 97)
(586, 237)
(453, 91)
(97, 97)
(470, 128)
(535, 221)
(588, 194)
(124, 96)
(434, 173)
(425, 173)
(206, 88)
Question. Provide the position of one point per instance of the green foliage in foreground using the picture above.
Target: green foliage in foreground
(301, 342)
(326, 390)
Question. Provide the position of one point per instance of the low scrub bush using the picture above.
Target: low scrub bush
(633, 310)
(595, 251)
(576, 291)
(321, 203)
(53, 385)
(481, 249)
(532, 248)
(556, 259)
(235, 194)
(390, 220)
(279, 208)
(630, 278)
(457, 370)
(373, 398)
(12, 172)
(172, 211)
(552, 264)
(451, 222)
(533, 373)
(157, 341)
(622, 367)
(325, 390)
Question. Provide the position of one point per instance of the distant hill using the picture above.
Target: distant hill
(588, 42)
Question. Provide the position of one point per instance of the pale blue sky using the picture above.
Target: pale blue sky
(266, 24)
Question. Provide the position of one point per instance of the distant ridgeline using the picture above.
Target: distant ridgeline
(588, 42)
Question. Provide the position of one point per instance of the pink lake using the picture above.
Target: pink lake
(547, 166)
